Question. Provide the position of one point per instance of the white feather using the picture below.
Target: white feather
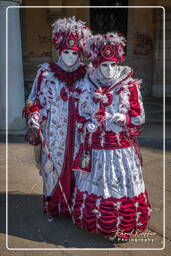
(70, 25)
(96, 43)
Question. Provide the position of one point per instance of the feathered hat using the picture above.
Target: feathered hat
(70, 34)
(108, 47)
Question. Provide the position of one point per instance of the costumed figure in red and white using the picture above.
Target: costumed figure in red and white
(51, 112)
(110, 197)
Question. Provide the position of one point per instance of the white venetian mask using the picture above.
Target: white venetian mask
(108, 69)
(69, 57)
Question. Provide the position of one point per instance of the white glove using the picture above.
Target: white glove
(119, 118)
(33, 121)
(91, 127)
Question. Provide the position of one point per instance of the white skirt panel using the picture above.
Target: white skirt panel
(114, 173)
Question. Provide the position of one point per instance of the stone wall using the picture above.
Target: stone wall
(144, 41)
(150, 66)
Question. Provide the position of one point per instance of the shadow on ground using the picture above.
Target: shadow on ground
(26, 220)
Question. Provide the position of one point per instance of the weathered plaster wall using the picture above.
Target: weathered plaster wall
(144, 49)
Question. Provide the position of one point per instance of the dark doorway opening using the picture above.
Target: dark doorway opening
(103, 20)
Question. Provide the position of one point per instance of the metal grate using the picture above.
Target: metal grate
(103, 20)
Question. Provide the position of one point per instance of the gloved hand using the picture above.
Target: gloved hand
(33, 120)
(119, 118)
(32, 136)
(90, 126)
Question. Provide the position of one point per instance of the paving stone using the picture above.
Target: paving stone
(28, 227)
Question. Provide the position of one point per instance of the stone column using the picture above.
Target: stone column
(14, 68)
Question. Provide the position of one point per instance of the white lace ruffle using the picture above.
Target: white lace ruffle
(120, 73)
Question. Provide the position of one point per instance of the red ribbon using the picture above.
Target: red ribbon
(101, 113)
(108, 95)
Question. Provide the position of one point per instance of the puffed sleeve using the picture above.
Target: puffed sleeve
(31, 112)
(135, 115)
(131, 110)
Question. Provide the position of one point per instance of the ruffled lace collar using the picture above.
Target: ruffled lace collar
(121, 73)
(69, 78)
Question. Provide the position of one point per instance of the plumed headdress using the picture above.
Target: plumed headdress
(108, 47)
(68, 33)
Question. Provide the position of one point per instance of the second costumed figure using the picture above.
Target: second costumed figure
(51, 112)
(110, 197)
